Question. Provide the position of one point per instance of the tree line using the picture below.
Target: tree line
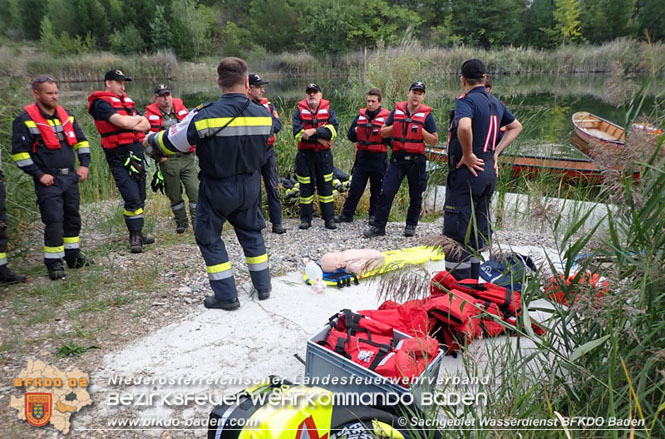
(192, 28)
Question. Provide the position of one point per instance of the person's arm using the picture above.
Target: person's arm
(352, 135)
(299, 131)
(178, 138)
(513, 130)
(465, 136)
(82, 148)
(430, 136)
(22, 142)
(387, 129)
(130, 123)
(276, 121)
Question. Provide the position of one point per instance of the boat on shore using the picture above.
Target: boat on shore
(591, 129)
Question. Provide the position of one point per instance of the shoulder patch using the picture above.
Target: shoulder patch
(206, 104)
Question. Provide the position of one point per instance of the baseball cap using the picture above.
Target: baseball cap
(473, 69)
(256, 80)
(116, 75)
(162, 89)
(312, 86)
(417, 86)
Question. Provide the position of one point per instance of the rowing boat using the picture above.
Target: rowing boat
(591, 129)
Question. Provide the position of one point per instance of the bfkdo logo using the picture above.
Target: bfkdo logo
(38, 408)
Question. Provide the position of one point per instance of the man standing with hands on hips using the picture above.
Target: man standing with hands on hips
(473, 154)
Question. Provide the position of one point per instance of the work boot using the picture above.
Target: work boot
(212, 303)
(409, 230)
(278, 229)
(180, 228)
(331, 224)
(371, 221)
(374, 231)
(263, 295)
(78, 261)
(56, 271)
(343, 219)
(135, 242)
(8, 277)
(304, 225)
(147, 239)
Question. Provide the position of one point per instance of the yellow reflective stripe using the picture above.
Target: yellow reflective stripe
(299, 134)
(20, 156)
(303, 180)
(306, 200)
(332, 129)
(58, 249)
(160, 141)
(71, 239)
(326, 198)
(136, 212)
(328, 177)
(71, 119)
(83, 144)
(30, 124)
(218, 268)
(256, 259)
(3, 255)
(218, 122)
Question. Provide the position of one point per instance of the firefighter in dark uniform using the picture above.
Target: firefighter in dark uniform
(370, 163)
(45, 142)
(121, 127)
(410, 125)
(179, 170)
(7, 276)
(314, 128)
(269, 169)
(230, 137)
(473, 154)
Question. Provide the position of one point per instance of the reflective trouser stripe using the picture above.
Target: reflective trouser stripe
(326, 198)
(136, 214)
(3, 258)
(328, 177)
(474, 260)
(219, 271)
(71, 242)
(54, 252)
(303, 180)
(307, 200)
(192, 206)
(180, 205)
(257, 263)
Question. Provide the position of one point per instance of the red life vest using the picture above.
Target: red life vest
(47, 131)
(368, 131)
(113, 136)
(408, 131)
(154, 115)
(266, 103)
(311, 120)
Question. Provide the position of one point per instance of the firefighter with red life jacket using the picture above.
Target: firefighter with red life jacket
(473, 152)
(269, 169)
(122, 128)
(179, 169)
(370, 163)
(410, 125)
(46, 139)
(315, 128)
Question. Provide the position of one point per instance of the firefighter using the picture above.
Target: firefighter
(410, 125)
(178, 169)
(7, 276)
(315, 128)
(46, 139)
(473, 153)
(230, 137)
(269, 169)
(370, 163)
(121, 127)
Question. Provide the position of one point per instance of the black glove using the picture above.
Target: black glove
(135, 167)
(157, 183)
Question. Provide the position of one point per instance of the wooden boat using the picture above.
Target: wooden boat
(591, 129)
(569, 169)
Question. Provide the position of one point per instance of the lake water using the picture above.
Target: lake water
(544, 104)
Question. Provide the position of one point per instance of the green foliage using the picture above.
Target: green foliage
(538, 24)
(567, 18)
(161, 34)
(651, 16)
(193, 26)
(127, 41)
(486, 24)
(62, 43)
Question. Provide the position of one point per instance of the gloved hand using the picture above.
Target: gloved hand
(135, 167)
(157, 183)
